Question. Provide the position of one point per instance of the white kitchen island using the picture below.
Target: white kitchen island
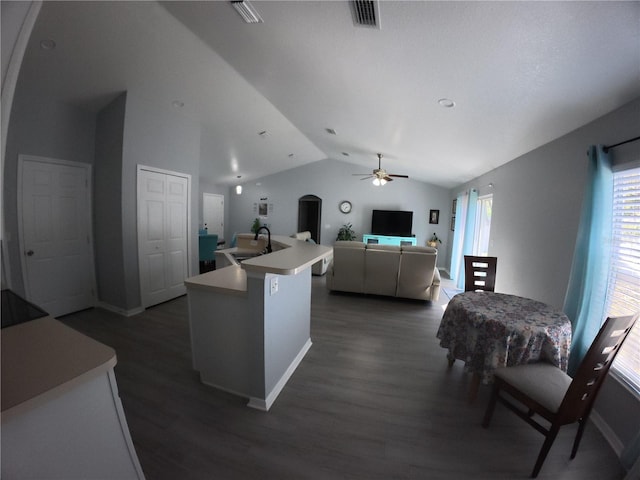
(61, 411)
(250, 322)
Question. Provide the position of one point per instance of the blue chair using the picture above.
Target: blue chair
(207, 245)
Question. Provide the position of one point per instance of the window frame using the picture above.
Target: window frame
(629, 383)
(482, 229)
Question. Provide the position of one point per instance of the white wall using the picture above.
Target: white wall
(13, 16)
(107, 204)
(332, 181)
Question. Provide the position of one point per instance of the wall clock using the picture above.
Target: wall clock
(345, 206)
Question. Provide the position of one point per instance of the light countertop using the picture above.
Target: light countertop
(290, 257)
(42, 357)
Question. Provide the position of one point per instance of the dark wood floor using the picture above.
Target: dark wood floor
(373, 399)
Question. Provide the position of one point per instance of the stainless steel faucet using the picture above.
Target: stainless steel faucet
(268, 237)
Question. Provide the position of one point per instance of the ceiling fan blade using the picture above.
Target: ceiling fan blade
(379, 173)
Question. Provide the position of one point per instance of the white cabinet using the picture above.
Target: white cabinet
(61, 412)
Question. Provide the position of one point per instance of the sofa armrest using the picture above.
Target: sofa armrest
(436, 277)
(435, 286)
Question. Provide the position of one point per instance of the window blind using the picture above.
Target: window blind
(623, 291)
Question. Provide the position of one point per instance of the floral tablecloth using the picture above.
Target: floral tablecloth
(488, 330)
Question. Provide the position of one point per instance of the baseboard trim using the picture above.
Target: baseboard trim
(265, 404)
(223, 389)
(120, 311)
(607, 432)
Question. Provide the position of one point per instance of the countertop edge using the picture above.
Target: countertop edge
(296, 256)
(44, 358)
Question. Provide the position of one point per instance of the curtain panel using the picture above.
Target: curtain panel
(466, 206)
(585, 299)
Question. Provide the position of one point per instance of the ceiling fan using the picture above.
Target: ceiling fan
(380, 175)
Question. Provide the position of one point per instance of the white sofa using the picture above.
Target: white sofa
(406, 271)
(318, 268)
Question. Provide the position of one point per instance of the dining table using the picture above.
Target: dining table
(489, 330)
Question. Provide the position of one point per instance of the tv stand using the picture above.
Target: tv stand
(388, 240)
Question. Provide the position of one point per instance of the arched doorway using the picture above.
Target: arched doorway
(309, 215)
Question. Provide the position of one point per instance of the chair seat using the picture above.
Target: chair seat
(542, 382)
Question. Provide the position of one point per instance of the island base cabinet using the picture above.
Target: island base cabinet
(80, 433)
(250, 344)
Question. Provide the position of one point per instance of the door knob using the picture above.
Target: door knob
(29, 253)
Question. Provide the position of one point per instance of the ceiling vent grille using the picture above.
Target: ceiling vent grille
(366, 13)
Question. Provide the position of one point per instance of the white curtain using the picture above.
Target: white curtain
(466, 204)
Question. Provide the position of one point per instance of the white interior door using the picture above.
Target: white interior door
(163, 210)
(55, 234)
(213, 213)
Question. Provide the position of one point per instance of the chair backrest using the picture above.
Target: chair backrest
(306, 235)
(207, 245)
(479, 273)
(593, 369)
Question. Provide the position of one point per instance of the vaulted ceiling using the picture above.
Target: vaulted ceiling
(520, 74)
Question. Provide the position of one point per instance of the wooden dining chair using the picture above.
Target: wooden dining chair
(547, 391)
(479, 273)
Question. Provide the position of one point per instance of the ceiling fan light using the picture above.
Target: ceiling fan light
(376, 182)
(382, 181)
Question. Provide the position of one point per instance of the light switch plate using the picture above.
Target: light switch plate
(273, 285)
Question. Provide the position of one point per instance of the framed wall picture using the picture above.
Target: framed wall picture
(453, 223)
(434, 216)
(453, 207)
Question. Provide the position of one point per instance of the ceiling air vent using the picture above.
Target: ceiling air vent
(366, 13)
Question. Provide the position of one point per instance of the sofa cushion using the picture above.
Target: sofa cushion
(347, 271)
(419, 249)
(381, 269)
(348, 244)
(389, 248)
(417, 269)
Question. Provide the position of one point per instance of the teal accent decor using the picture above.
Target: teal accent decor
(585, 301)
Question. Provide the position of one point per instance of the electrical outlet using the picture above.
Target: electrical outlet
(274, 285)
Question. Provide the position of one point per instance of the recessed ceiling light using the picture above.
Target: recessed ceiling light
(47, 44)
(330, 131)
(291, 155)
(446, 103)
(177, 104)
(345, 154)
(264, 134)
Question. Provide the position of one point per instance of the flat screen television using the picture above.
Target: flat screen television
(394, 223)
